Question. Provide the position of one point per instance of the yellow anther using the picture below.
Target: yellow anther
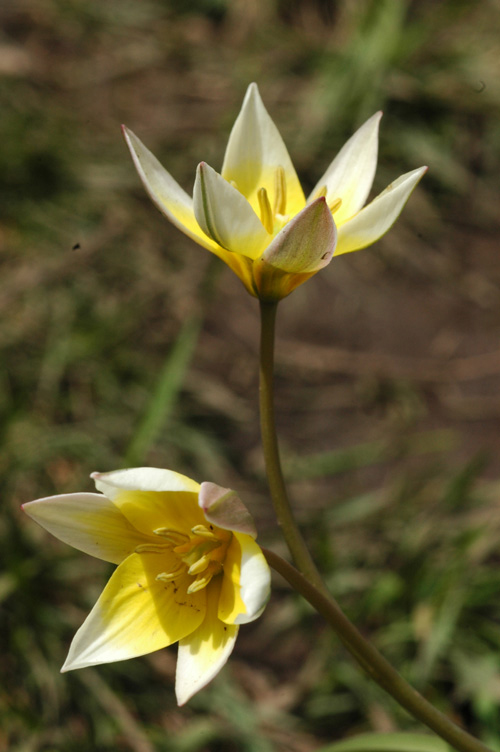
(171, 535)
(199, 566)
(151, 548)
(334, 205)
(320, 193)
(279, 191)
(266, 213)
(203, 579)
(203, 532)
(169, 576)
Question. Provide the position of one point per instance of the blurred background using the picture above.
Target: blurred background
(122, 343)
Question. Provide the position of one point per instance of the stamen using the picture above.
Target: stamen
(169, 576)
(203, 532)
(172, 535)
(266, 214)
(320, 193)
(279, 191)
(199, 566)
(334, 205)
(203, 579)
(151, 548)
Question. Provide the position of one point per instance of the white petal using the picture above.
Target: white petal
(246, 582)
(88, 522)
(224, 508)
(350, 175)
(204, 652)
(142, 479)
(254, 152)
(136, 614)
(375, 219)
(226, 216)
(165, 193)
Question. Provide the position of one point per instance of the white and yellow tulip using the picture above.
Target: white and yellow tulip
(254, 214)
(189, 569)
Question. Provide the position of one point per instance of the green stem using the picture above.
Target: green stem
(284, 514)
(373, 662)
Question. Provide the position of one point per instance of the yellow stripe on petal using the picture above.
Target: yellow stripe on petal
(89, 522)
(246, 583)
(137, 614)
(255, 151)
(204, 652)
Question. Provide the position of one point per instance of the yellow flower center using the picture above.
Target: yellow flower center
(200, 554)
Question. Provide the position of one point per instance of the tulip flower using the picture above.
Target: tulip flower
(254, 214)
(189, 569)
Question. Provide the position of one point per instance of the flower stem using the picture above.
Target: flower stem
(279, 496)
(373, 662)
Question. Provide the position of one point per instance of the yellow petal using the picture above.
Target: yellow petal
(149, 510)
(151, 498)
(204, 652)
(246, 583)
(226, 216)
(136, 614)
(255, 151)
(377, 218)
(168, 196)
(88, 522)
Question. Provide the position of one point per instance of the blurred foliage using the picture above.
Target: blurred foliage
(120, 344)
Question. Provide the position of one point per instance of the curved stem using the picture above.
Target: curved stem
(284, 514)
(373, 662)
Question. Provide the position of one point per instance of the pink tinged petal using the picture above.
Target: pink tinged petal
(89, 522)
(255, 151)
(163, 190)
(246, 583)
(224, 508)
(136, 614)
(350, 175)
(378, 217)
(306, 243)
(225, 215)
(304, 246)
(204, 652)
